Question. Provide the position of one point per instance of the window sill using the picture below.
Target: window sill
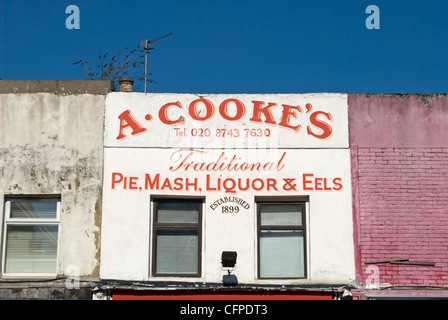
(176, 278)
(28, 277)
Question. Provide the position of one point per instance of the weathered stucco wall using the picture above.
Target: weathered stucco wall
(52, 143)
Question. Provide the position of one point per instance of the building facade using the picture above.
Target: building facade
(399, 151)
(190, 178)
(126, 195)
(51, 169)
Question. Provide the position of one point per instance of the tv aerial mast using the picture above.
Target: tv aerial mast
(146, 44)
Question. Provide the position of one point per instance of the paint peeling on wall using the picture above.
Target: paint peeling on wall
(53, 144)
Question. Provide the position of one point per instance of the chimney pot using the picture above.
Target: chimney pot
(126, 84)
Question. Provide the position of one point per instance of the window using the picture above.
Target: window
(31, 235)
(177, 237)
(281, 239)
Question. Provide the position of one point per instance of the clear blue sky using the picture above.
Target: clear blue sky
(238, 46)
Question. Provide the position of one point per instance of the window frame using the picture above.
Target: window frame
(179, 226)
(303, 227)
(9, 221)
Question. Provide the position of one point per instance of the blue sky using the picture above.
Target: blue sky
(238, 46)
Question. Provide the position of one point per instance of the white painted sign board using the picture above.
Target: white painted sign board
(229, 149)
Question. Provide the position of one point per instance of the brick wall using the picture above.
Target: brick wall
(403, 213)
(400, 188)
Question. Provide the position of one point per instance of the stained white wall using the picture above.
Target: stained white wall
(53, 144)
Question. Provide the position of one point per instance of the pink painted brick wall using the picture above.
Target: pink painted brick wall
(400, 187)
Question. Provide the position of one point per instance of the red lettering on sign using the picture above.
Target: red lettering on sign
(177, 184)
(127, 120)
(338, 184)
(289, 111)
(163, 113)
(231, 185)
(326, 128)
(156, 182)
(210, 109)
(240, 109)
(312, 183)
(133, 183)
(289, 118)
(116, 178)
(258, 108)
(184, 159)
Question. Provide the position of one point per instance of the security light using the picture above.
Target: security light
(228, 259)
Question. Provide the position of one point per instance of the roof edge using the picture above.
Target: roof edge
(64, 87)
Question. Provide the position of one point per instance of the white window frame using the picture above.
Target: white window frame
(29, 222)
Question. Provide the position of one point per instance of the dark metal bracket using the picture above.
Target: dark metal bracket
(403, 261)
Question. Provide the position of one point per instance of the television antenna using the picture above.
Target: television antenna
(146, 44)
